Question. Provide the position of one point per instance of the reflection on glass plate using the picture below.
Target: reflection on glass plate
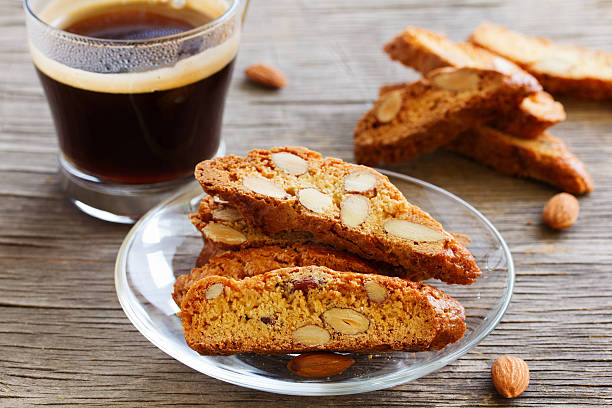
(164, 244)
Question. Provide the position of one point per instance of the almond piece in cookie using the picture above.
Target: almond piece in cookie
(346, 321)
(354, 210)
(388, 107)
(410, 230)
(311, 335)
(226, 213)
(290, 163)
(456, 80)
(376, 292)
(360, 181)
(263, 186)
(315, 200)
(214, 291)
(222, 233)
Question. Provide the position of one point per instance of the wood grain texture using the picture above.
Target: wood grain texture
(64, 340)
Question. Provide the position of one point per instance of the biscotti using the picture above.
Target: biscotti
(215, 211)
(426, 50)
(346, 206)
(255, 261)
(536, 113)
(545, 158)
(223, 227)
(561, 69)
(296, 310)
(433, 111)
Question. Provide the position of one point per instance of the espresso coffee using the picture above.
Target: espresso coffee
(138, 127)
(135, 21)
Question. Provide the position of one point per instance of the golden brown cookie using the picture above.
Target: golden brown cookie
(561, 69)
(346, 206)
(233, 224)
(545, 158)
(223, 227)
(431, 112)
(426, 50)
(255, 261)
(294, 310)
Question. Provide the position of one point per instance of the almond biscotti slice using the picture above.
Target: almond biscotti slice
(232, 224)
(536, 113)
(562, 69)
(545, 158)
(255, 261)
(524, 124)
(223, 227)
(294, 310)
(431, 112)
(426, 50)
(346, 206)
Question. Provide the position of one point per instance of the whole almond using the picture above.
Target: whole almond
(561, 211)
(510, 376)
(316, 365)
(266, 75)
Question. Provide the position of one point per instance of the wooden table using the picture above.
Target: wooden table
(64, 339)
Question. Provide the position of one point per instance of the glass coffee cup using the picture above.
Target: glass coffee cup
(137, 91)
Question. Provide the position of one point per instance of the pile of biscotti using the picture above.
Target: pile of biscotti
(307, 253)
(484, 99)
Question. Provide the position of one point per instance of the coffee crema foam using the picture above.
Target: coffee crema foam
(183, 72)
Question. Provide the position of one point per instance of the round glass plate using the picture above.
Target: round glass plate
(164, 244)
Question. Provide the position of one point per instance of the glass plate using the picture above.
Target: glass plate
(164, 244)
